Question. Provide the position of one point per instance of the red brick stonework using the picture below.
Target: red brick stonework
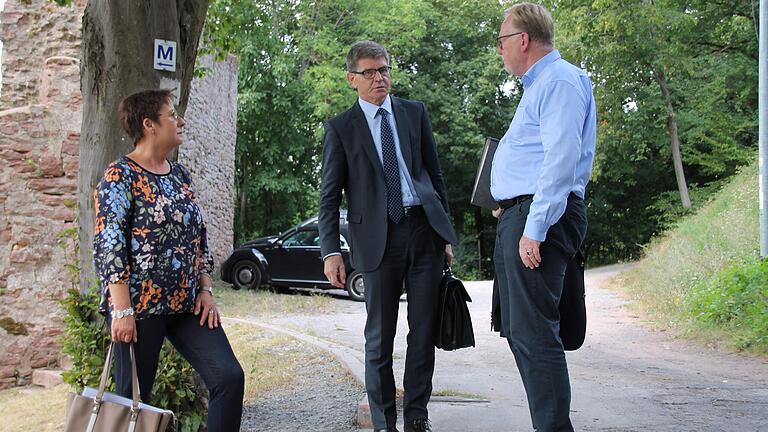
(40, 114)
(40, 117)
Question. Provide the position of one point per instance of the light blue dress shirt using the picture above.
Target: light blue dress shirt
(410, 198)
(549, 147)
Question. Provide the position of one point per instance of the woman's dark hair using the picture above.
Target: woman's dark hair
(135, 108)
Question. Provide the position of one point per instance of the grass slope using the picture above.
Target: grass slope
(692, 263)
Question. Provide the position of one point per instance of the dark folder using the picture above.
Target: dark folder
(481, 193)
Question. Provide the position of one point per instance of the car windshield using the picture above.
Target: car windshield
(303, 238)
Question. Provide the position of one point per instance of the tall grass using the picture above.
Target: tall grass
(687, 261)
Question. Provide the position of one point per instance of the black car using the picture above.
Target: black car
(291, 259)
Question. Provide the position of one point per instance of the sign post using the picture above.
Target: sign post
(763, 128)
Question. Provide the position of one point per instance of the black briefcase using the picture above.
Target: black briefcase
(573, 309)
(454, 324)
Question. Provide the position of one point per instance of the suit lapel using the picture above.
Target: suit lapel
(403, 129)
(362, 135)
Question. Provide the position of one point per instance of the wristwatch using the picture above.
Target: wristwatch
(207, 288)
(118, 314)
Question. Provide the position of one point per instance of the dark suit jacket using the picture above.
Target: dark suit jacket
(351, 164)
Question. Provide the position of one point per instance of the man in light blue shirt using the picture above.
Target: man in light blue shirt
(540, 171)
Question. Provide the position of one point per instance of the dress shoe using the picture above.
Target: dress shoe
(419, 425)
(389, 429)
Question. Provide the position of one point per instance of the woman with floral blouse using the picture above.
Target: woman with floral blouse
(152, 259)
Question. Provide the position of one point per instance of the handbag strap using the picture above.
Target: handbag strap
(103, 386)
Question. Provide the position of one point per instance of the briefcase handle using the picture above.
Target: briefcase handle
(103, 386)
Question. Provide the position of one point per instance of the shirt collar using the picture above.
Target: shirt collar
(370, 110)
(535, 70)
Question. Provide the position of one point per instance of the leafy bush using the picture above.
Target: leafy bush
(177, 386)
(736, 299)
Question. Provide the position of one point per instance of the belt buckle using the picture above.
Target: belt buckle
(409, 211)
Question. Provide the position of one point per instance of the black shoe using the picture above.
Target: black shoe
(389, 429)
(419, 425)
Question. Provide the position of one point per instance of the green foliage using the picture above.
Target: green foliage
(736, 299)
(292, 79)
(707, 54)
(684, 271)
(85, 338)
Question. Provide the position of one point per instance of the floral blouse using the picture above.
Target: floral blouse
(151, 236)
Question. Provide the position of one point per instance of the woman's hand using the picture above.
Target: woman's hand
(124, 330)
(205, 304)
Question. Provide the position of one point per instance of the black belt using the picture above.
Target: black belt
(416, 210)
(507, 203)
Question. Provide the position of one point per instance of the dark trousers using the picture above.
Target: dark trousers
(529, 309)
(209, 353)
(414, 255)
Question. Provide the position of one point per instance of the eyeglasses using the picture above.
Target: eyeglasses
(174, 115)
(370, 73)
(498, 39)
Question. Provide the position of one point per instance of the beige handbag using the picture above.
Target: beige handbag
(98, 411)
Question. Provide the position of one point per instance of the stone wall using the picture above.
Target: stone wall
(40, 116)
(40, 111)
(208, 150)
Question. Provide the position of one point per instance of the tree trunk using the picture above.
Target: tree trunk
(117, 60)
(268, 212)
(677, 159)
(243, 202)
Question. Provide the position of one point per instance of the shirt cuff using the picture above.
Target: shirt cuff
(331, 254)
(536, 230)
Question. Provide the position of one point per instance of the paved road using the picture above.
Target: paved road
(625, 378)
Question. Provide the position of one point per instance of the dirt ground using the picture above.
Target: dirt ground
(626, 377)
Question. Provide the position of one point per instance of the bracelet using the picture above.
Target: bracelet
(207, 288)
(118, 314)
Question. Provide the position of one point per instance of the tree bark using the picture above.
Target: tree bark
(243, 203)
(117, 60)
(677, 159)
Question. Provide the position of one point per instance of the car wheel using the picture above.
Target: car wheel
(246, 274)
(355, 286)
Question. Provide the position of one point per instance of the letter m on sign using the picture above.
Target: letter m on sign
(165, 55)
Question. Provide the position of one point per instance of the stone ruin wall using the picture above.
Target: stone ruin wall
(40, 115)
(208, 151)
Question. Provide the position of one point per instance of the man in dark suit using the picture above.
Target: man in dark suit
(382, 154)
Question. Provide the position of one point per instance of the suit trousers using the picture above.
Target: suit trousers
(529, 309)
(414, 257)
(207, 350)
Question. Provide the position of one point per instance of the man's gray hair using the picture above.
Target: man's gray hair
(365, 49)
(535, 20)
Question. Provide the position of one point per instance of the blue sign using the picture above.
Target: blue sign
(165, 55)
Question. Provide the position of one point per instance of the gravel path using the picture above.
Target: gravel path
(626, 378)
(324, 397)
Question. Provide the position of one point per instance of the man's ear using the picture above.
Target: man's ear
(525, 41)
(351, 80)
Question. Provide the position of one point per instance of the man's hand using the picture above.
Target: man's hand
(334, 271)
(497, 212)
(529, 252)
(449, 253)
